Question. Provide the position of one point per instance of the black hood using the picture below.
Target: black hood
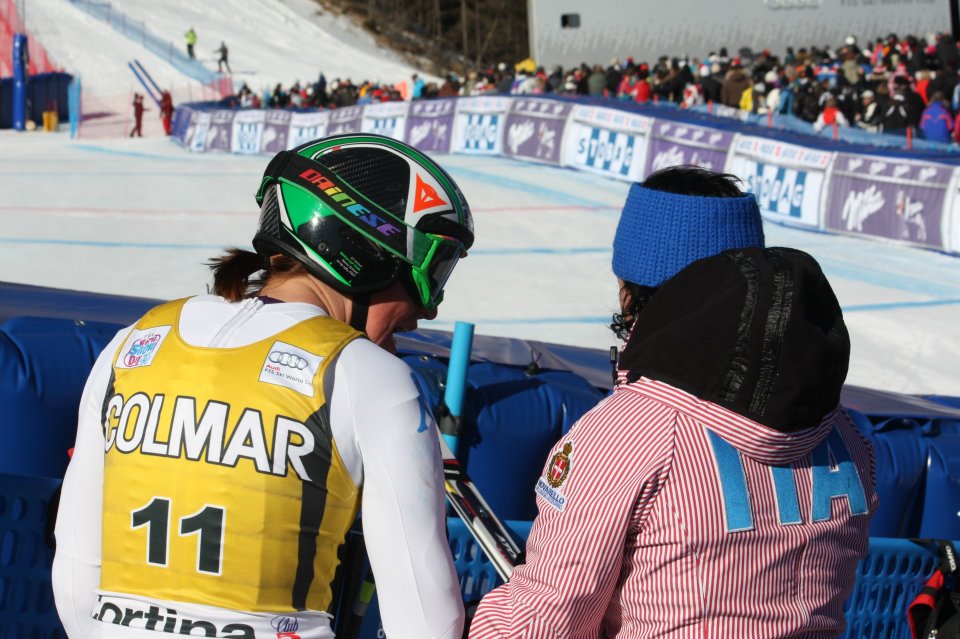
(757, 331)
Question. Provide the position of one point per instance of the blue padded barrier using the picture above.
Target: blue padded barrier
(27, 610)
(511, 421)
(901, 454)
(45, 363)
(941, 496)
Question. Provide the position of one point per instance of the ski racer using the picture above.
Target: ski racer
(226, 441)
(720, 491)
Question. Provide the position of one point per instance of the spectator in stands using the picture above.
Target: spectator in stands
(222, 60)
(936, 124)
(911, 100)
(138, 110)
(597, 81)
(191, 37)
(614, 76)
(734, 84)
(672, 508)
(895, 120)
(451, 88)
(416, 88)
(504, 79)
(868, 117)
(830, 116)
(709, 84)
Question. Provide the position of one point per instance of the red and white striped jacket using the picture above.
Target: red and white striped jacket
(663, 515)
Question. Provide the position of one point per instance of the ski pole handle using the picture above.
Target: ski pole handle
(456, 382)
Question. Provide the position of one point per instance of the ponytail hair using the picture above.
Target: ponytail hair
(239, 274)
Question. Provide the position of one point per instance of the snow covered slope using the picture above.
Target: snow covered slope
(270, 41)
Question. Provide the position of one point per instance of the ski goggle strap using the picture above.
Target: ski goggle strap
(431, 257)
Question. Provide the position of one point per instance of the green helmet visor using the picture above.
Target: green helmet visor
(312, 197)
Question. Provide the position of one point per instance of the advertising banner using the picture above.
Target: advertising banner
(181, 122)
(307, 126)
(220, 131)
(276, 126)
(247, 131)
(345, 120)
(951, 213)
(478, 127)
(607, 141)
(195, 137)
(386, 118)
(888, 197)
(675, 143)
(430, 124)
(535, 129)
(786, 179)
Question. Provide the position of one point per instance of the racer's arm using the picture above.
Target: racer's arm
(386, 437)
(76, 565)
(574, 554)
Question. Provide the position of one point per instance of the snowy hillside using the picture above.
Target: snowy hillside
(270, 41)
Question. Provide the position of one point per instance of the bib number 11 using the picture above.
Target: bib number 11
(207, 523)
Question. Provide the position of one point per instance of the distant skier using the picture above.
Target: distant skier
(138, 110)
(191, 36)
(222, 62)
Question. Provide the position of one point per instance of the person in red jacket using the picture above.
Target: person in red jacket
(166, 111)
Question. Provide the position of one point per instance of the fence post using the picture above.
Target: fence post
(836, 131)
(769, 119)
(909, 138)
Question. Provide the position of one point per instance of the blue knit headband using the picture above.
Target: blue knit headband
(660, 233)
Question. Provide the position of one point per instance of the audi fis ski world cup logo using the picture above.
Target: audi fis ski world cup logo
(288, 359)
(142, 347)
(292, 367)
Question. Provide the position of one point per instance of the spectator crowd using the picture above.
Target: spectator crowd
(895, 85)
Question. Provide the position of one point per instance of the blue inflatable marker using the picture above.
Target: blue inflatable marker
(456, 383)
(21, 73)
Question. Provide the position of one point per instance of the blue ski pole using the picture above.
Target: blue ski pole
(452, 408)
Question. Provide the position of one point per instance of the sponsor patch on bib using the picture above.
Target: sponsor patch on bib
(291, 367)
(142, 347)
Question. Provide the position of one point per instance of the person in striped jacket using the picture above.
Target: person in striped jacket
(720, 490)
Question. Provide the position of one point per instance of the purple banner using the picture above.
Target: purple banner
(345, 120)
(220, 133)
(429, 125)
(535, 129)
(674, 143)
(276, 124)
(884, 197)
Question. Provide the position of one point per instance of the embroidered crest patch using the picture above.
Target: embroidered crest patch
(560, 466)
